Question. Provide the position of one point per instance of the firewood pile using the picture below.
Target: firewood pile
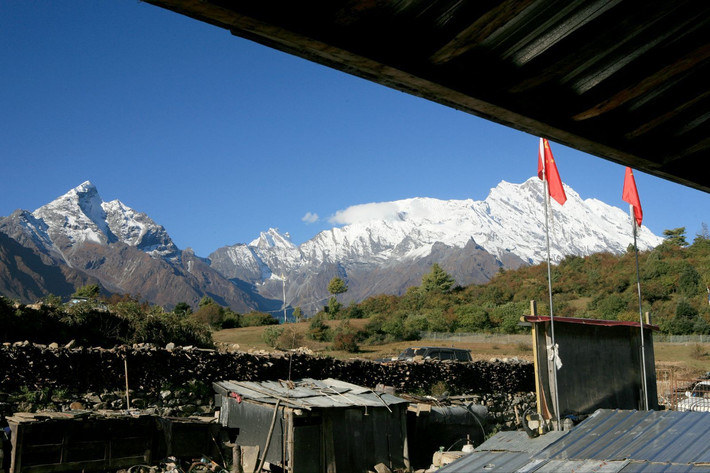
(149, 369)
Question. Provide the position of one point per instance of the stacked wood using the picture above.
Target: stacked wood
(150, 369)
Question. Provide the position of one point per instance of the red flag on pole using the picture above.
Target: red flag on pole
(631, 195)
(547, 170)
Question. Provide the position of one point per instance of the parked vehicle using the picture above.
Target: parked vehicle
(433, 353)
(696, 400)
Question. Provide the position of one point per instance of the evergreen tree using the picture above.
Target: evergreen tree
(182, 308)
(437, 280)
(703, 235)
(676, 237)
(90, 291)
(337, 286)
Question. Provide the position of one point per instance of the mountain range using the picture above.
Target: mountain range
(383, 248)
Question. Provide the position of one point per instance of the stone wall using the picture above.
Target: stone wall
(179, 381)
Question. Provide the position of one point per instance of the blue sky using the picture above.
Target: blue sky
(217, 138)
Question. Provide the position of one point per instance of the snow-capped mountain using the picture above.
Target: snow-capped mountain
(392, 239)
(123, 250)
(379, 248)
(81, 216)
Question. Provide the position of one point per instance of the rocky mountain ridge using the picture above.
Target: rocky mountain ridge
(380, 248)
(389, 251)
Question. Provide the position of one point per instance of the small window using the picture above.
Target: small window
(434, 354)
(463, 356)
(446, 355)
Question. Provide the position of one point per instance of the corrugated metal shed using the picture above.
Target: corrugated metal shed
(308, 393)
(608, 441)
(310, 425)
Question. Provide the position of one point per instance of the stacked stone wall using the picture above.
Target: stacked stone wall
(178, 381)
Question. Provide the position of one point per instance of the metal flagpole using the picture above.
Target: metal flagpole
(549, 290)
(638, 286)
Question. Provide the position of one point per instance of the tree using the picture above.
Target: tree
(182, 308)
(210, 314)
(688, 281)
(676, 237)
(704, 233)
(52, 300)
(297, 314)
(256, 319)
(205, 301)
(337, 286)
(437, 280)
(90, 291)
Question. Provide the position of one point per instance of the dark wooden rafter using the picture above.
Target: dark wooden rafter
(674, 112)
(479, 30)
(690, 60)
(563, 23)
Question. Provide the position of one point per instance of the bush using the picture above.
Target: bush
(471, 318)
(271, 335)
(509, 315)
(318, 330)
(211, 314)
(414, 325)
(345, 338)
(257, 319)
(231, 320)
(290, 339)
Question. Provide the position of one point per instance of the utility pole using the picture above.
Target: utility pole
(283, 281)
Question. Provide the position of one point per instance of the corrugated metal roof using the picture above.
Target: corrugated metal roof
(517, 441)
(607, 441)
(308, 393)
(653, 436)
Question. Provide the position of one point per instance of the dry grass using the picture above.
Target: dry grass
(686, 360)
(482, 347)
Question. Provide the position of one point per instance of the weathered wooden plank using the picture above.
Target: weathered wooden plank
(658, 120)
(648, 83)
(484, 26)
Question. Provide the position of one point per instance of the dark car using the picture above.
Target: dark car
(433, 353)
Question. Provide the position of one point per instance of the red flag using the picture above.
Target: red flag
(631, 195)
(547, 170)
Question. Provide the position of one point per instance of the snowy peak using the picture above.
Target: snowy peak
(81, 216)
(77, 215)
(273, 239)
(137, 229)
(510, 221)
(385, 247)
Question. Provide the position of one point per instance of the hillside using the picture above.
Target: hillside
(674, 289)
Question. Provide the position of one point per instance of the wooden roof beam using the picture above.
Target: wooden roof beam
(479, 30)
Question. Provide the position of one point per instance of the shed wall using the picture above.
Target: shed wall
(601, 367)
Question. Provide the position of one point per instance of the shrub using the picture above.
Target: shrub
(345, 338)
(290, 339)
(211, 314)
(318, 330)
(271, 335)
(256, 319)
(471, 318)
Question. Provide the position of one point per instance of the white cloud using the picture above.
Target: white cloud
(365, 213)
(310, 217)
